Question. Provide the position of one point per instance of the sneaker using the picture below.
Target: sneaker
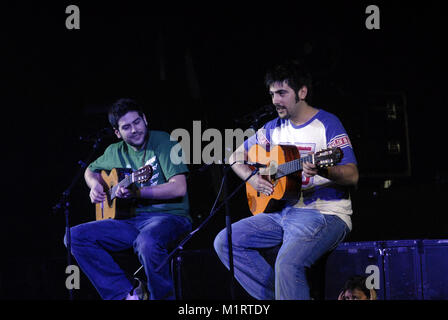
(139, 291)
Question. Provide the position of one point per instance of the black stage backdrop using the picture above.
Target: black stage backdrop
(206, 63)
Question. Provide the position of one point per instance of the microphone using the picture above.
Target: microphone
(269, 110)
(257, 115)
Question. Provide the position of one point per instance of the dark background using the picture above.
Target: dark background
(207, 63)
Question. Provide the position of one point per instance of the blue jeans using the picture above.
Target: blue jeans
(151, 235)
(304, 235)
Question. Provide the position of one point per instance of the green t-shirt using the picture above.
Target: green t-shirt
(121, 155)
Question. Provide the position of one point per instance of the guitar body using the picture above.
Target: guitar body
(285, 188)
(115, 208)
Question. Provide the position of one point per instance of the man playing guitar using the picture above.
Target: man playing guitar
(317, 220)
(160, 213)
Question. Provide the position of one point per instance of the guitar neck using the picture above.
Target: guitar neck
(293, 166)
(126, 182)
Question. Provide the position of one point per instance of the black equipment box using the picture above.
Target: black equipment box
(407, 269)
(434, 260)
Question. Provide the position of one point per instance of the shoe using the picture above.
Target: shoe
(139, 290)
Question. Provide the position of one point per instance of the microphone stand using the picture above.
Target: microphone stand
(254, 118)
(229, 236)
(64, 202)
(212, 213)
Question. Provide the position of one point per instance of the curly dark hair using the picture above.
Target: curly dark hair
(120, 107)
(293, 72)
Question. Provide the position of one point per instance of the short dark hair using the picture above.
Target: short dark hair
(120, 107)
(357, 282)
(293, 72)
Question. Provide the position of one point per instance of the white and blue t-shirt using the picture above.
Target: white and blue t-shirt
(322, 131)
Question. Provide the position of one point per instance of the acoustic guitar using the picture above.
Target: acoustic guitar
(284, 170)
(109, 209)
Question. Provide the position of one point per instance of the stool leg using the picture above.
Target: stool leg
(176, 272)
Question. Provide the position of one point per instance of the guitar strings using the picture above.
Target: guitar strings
(291, 166)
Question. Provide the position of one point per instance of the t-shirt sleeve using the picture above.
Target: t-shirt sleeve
(338, 137)
(169, 168)
(105, 162)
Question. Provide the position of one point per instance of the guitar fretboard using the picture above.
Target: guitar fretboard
(123, 183)
(292, 166)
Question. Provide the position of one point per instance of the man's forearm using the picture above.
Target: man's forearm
(241, 170)
(174, 188)
(343, 174)
(92, 178)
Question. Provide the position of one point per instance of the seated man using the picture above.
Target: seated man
(317, 219)
(161, 214)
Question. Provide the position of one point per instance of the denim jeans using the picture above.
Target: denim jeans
(304, 235)
(151, 236)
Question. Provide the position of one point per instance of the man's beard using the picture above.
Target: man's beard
(140, 145)
(282, 112)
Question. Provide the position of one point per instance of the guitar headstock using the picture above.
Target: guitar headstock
(143, 174)
(328, 157)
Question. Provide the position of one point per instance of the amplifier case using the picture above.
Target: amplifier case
(435, 269)
(408, 269)
(349, 259)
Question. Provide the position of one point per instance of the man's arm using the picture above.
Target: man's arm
(95, 183)
(175, 187)
(346, 174)
(244, 171)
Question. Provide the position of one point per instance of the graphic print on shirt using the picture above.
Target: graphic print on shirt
(340, 141)
(154, 164)
(262, 138)
(304, 150)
